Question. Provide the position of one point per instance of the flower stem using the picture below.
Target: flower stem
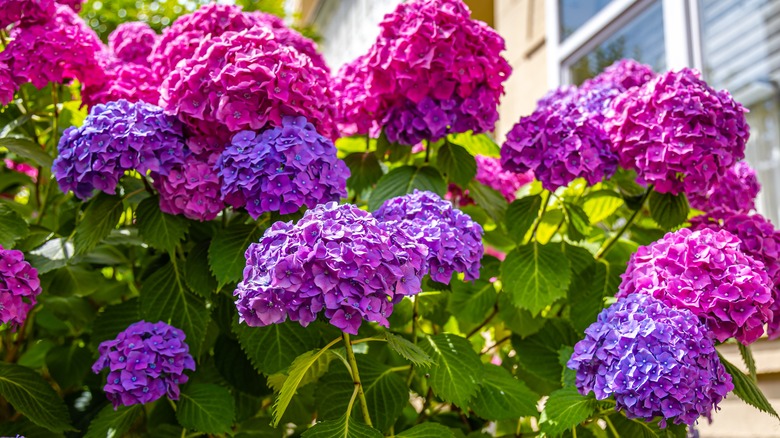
(545, 201)
(356, 378)
(427, 150)
(611, 426)
(482, 325)
(614, 239)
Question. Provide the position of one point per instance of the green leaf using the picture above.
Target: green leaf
(197, 272)
(365, 170)
(569, 376)
(165, 297)
(392, 152)
(342, 428)
(409, 351)
(226, 253)
(298, 371)
(455, 375)
(476, 144)
(564, 410)
(586, 295)
(668, 210)
(471, 300)
(385, 390)
(313, 374)
(427, 430)
(114, 319)
(206, 408)
(489, 199)
(538, 353)
(12, 227)
(639, 428)
(456, 163)
(403, 180)
(31, 395)
(236, 369)
(29, 150)
(160, 230)
(114, 423)
(747, 389)
(274, 347)
(502, 397)
(35, 356)
(69, 364)
(74, 280)
(601, 204)
(747, 357)
(535, 276)
(100, 217)
(520, 321)
(520, 215)
(577, 222)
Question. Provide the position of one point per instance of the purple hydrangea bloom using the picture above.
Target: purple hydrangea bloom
(26, 11)
(454, 241)
(677, 132)
(73, 4)
(132, 42)
(706, 272)
(114, 138)
(145, 362)
(190, 189)
(337, 259)
(559, 143)
(622, 75)
(282, 169)
(657, 361)
(19, 287)
(736, 190)
(7, 85)
(553, 98)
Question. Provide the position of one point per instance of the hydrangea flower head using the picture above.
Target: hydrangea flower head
(657, 361)
(7, 85)
(677, 132)
(145, 362)
(190, 189)
(736, 190)
(706, 272)
(26, 11)
(114, 138)
(291, 37)
(19, 287)
(264, 81)
(453, 239)
(432, 71)
(73, 4)
(622, 75)
(559, 143)
(282, 169)
(63, 47)
(338, 260)
(121, 81)
(132, 42)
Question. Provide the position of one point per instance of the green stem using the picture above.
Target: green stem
(611, 427)
(487, 320)
(356, 379)
(415, 316)
(614, 239)
(427, 150)
(545, 201)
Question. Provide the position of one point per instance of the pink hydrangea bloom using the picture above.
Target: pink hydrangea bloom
(706, 272)
(7, 85)
(24, 168)
(132, 42)
(677, 132)
(736, 190)
(26, 11)
(490, 173)
(623, 75)
(121, 80)
(61, 48)
(74, 4)
(191, 189)
(432, 71)
(264, 81)
(19, 287)
(291, 37)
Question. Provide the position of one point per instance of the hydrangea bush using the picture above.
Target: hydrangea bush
(204, 233)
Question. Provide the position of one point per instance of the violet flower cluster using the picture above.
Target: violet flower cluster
(19, 287)
(656, 360)
(432, 71)
(736, 190)
(453, 239)
(114, 138)
(677, 132)
(132, 42)
(145, 362)
(190, 189)
(264, 81)
(706, 272)
(281, 169)
(338, 260)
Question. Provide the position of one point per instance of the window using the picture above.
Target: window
(574, 13)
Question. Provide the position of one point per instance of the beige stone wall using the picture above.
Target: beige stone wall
(522, 24)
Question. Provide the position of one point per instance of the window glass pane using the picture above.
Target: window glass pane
(574, 13)
(641, 39)
(741, 53)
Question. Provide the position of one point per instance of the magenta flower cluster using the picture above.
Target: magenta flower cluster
(121, 81)
(264, 81)
(338, 260)
(736, 190)
(32, 11)
(281, 169)
(132, 42)
(677, 132)
(145, 362)
(191, 189)
(432, 71)
(19, 287)
(491, 174)
(453, 239)
(622, 75)
(656, 360)
(706, 272)
(114, 138)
